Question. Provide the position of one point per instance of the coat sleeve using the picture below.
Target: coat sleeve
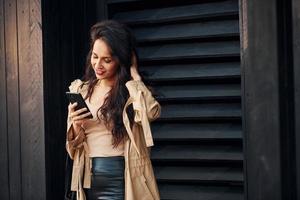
(145, 106)
(73, 142)
(137, 89)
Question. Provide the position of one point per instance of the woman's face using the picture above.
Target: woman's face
(104, 65)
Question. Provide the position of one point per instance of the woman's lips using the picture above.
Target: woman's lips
(100, 72)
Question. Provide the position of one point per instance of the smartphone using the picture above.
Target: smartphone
(77, 97)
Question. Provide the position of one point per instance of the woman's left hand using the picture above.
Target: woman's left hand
(133, 69)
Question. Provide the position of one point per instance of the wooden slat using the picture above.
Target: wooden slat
(196, 174)
(195, 131)
(4, 170)
(178, 13)
(192, 71)
(198, 92)
(190, 50)
(13, 120)
(200, 111)
(200, 30)
(31, 99)
(198, 192)
(196, 153)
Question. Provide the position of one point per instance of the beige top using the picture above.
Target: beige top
(98, 136)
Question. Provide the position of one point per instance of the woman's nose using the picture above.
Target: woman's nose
(99, 64)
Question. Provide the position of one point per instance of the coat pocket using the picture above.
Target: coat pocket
(141, 189)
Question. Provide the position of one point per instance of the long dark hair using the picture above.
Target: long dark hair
(122, 43)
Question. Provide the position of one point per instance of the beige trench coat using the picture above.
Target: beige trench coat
(140, 182)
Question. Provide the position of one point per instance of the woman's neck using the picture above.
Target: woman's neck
(105, 83)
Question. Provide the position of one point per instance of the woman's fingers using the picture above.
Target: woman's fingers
(86, 114)
(77, 112)
(82, 116)
(75, 115)
(71, 107)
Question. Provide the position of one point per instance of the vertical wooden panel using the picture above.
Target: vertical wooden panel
(31, 99)
(65, 40)
(261, 99)
(296, 43)
(13, 118)
(4, 182)
(52, 58)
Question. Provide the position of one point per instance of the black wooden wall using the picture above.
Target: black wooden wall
(190, 52)
(65, 44)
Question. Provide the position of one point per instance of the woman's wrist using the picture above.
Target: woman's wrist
(78, 130)
(70, 135)
(136, 78)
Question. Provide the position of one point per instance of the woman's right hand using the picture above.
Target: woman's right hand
(78, 117)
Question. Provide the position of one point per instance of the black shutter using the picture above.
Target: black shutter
(190, 51)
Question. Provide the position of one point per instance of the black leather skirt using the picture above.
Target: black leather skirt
(107, 181)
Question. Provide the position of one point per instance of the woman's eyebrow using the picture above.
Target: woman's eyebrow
(103, 56)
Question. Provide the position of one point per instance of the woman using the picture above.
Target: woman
(109, 152)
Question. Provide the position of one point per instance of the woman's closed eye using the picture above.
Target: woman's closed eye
(107, 60)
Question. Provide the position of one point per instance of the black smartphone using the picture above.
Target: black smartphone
(77, 97)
